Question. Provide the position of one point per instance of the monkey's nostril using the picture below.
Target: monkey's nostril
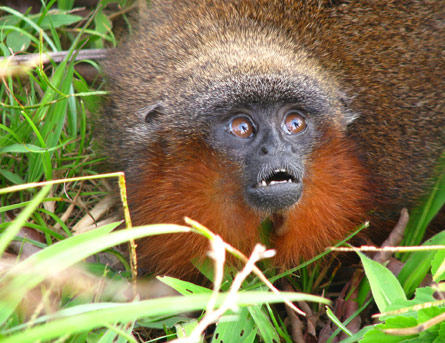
(264, 150)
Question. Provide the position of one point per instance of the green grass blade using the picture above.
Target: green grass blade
(337, 321)
(57, 257)
(105, 314)
(422, 216)
(418, 265)
(13, 229)
(264, 325)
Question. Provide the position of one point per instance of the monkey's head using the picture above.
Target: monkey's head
(266, 115)
(229, 129)
(269, 125)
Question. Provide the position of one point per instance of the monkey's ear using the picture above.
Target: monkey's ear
(150, 112)
(348, 114)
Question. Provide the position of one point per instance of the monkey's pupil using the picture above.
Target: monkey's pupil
(244, 128)
(295, 124)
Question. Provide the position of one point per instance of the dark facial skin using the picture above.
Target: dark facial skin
(271, 142)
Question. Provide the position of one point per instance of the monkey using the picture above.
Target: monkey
(314, 115)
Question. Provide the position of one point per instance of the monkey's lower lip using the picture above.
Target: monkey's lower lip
(274, 197)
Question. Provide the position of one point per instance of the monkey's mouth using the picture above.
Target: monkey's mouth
(275, 190)
(276, 177)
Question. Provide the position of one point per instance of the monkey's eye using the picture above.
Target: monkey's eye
(294, 123)
(241, 127)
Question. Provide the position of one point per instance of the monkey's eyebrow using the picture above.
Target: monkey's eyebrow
(227, 94)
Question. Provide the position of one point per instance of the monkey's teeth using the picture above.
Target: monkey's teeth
(265, 183)
(275, 182)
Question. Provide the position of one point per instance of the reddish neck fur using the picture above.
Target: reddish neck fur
(333, 203)
(189, 181)
(193, 181)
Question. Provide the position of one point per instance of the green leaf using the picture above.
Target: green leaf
(14, 178)
(418, 265)
(103, 26)
(422, 295)
(17, 41)
(265, 327)
(234, 326)
(438, 266)
(17, 16)
(424, 337)
(426, 314)
(183, 287)
(184, 329)
(378, 336)
(358, 335)
(250, 338)
(385, 287)
(28, 148)
(58, 20)
(440, 334)
(50, 20)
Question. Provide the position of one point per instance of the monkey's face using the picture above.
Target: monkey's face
(271, 142)
(268, 126)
